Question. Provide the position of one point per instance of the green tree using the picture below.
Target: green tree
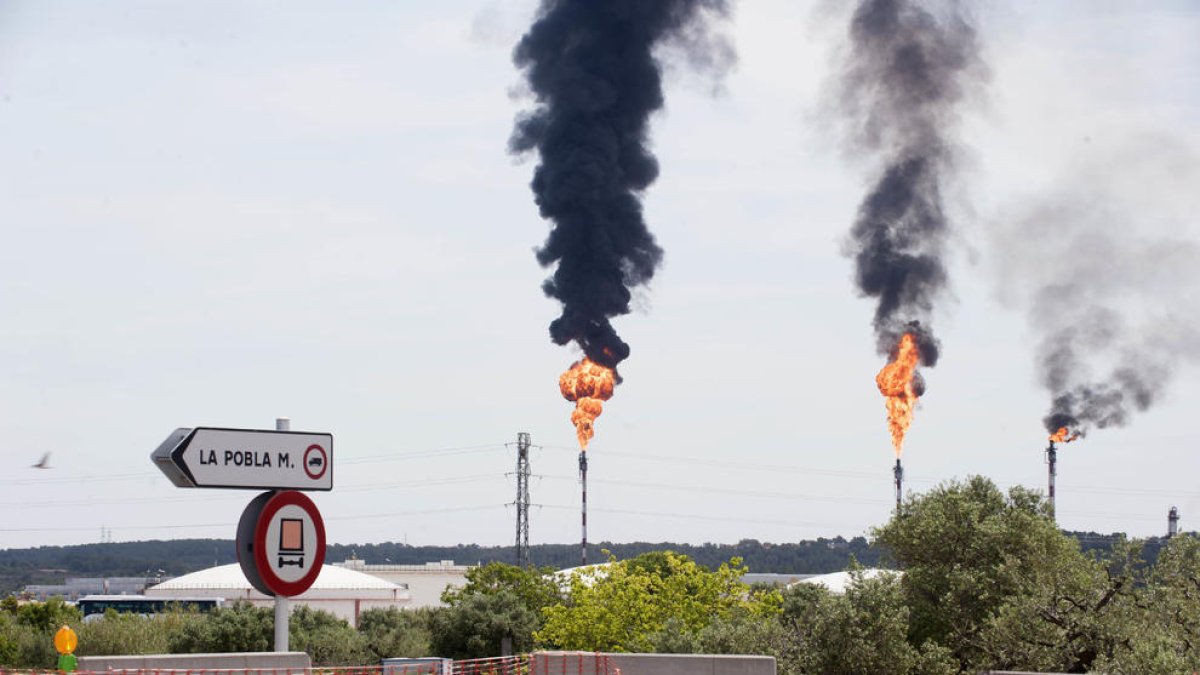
(864, 630)
(965, 548)
(1071, 610)
(48, 615)
(624, 605)
(393, 632)
(990, 577)
(476, 626)
(240, 627)
(328, 640)
(534, 587)
(1163, 633)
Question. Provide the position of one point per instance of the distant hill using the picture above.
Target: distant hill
(52, 564)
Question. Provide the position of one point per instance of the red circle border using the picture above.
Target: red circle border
(269, 578)
(324, 461)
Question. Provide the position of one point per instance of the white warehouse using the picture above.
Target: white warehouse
(342, 592)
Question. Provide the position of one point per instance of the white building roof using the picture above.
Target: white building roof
(230, 577)
(837, 582)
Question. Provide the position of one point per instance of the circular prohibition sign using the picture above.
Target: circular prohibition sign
(289, 507)
(316, 460)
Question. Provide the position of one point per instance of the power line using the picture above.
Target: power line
(840, 473)
(177, 526)
(415, 483)
(728, 491)
(693, 516)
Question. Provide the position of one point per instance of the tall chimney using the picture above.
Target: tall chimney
(898, 472)
(1172, 522)
(1052, 464)
(583, 512)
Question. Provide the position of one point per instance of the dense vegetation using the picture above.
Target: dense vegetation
(986, 581)
(51, 564)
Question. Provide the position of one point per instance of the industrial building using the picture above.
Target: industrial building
(424, 583)
(345, 593)
(76, 587)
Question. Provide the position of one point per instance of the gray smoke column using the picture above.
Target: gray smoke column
(592, 68)
(907, 69)
(1108, 267)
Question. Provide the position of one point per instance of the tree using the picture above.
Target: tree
(623, 605)
(476, 626)
(990, 577)
(1072, 610)
(327, 639)
(534, 587)
(1163, 634)
(393, 632)
(241, 627)
(864, 630)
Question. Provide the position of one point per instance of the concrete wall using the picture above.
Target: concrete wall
(247, 660)
(578, 663)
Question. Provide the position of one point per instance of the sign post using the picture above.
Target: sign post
(283, 612)
(281, 536)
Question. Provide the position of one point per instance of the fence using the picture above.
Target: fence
(561, 663)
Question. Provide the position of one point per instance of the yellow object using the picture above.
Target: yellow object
(65, 640)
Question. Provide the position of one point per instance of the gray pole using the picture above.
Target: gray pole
(583, 482)
(1052, 474)
(898, 474)
(281, 601)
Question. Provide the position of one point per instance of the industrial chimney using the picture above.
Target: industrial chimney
(1172, 522)
(1052, 474)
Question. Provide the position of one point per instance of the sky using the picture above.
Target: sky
(220, 213)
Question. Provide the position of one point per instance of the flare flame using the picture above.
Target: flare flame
(588, 384)
(1063, 435)
(897, 382)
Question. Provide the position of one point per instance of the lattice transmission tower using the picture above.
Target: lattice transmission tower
(522, 502)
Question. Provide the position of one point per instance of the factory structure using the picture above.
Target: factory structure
(345, 589)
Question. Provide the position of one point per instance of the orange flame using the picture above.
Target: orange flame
(588, 384)
(895, 382)
(1063, 435)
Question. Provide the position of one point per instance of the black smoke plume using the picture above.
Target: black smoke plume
(908, 67)
(592, 68)
(1108, 266)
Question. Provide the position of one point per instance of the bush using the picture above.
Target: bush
(330, 641)
(241, 627)
(476, 626)
(396, 632)
(27, 631)
(117, 634)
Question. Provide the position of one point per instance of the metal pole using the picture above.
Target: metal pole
(1052, 472)
(898, 472)
(583, 513)
(281, 601)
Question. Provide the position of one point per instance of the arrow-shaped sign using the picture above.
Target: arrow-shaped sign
(209, 457)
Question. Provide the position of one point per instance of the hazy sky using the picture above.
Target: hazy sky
(218, 213)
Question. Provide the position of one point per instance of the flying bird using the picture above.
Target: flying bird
(43, 463)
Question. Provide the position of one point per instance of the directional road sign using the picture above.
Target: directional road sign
(209, 457)
(281, 543)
